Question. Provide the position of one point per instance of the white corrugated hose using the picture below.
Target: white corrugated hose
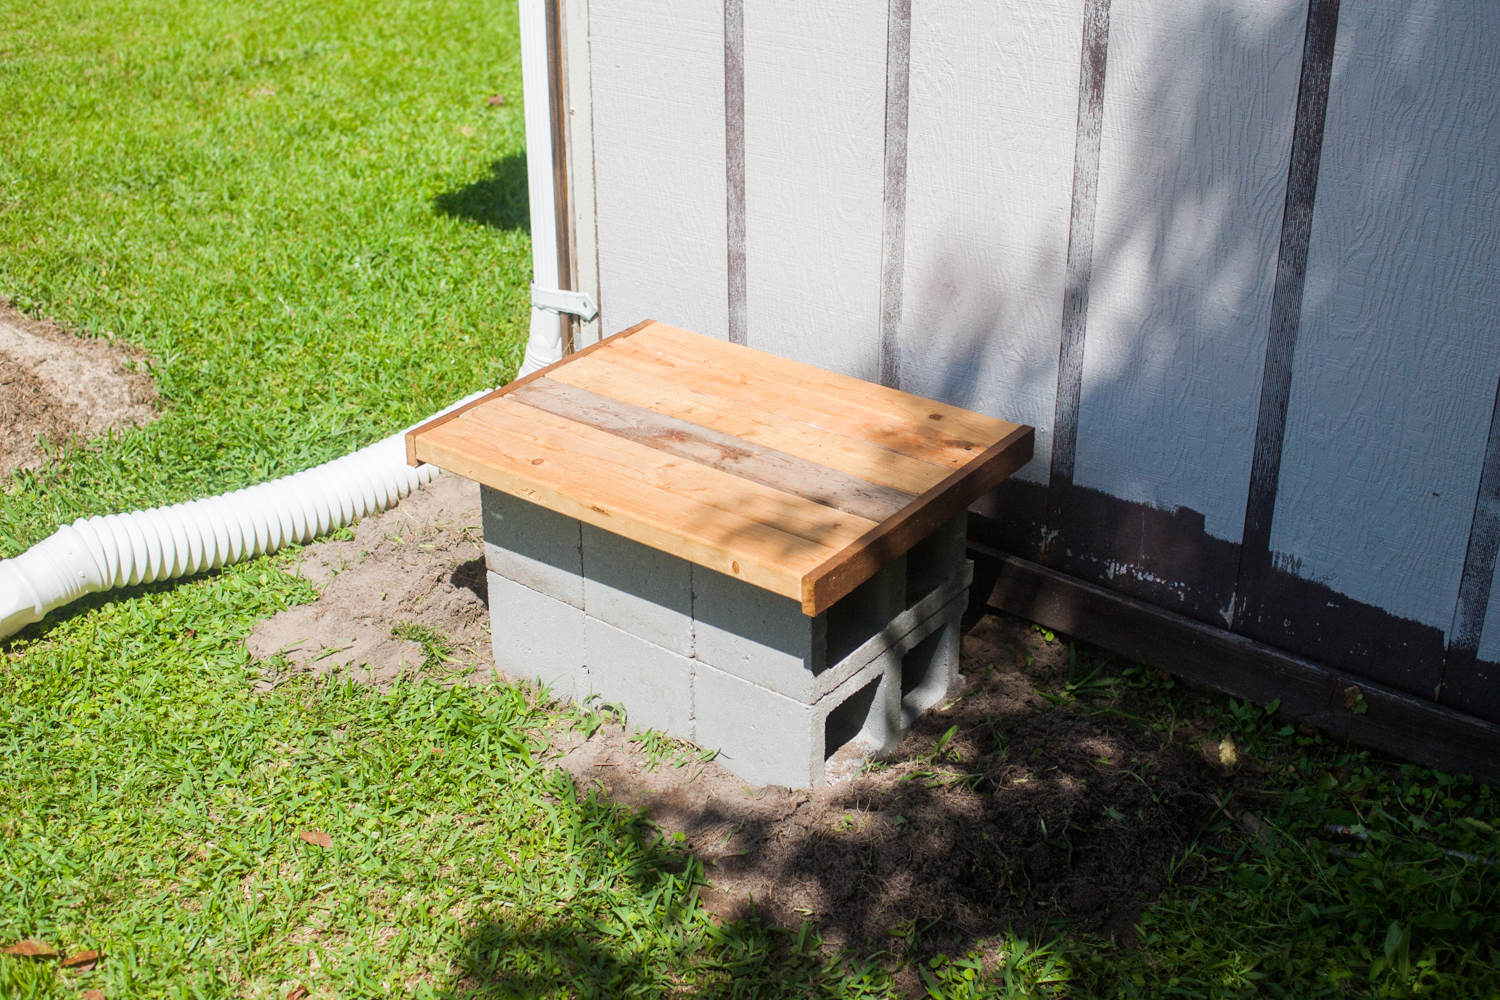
(122, 550)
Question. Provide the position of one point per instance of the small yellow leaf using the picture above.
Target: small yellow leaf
(1228, 755)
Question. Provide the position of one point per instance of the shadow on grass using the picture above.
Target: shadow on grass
(498, 200)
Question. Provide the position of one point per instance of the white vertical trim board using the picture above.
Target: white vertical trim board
(1199, 106)
(580, 129)
(658, 108)
(1399, 348)
(990, 136)
(814, 152)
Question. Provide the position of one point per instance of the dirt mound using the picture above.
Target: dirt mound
(1000, 810)
(406, 594)
(1022, 803)
(63, 388)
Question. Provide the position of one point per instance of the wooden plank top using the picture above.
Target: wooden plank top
(792, 478)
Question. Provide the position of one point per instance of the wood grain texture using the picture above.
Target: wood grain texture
(1198, 116)
(847, 569)
(751, 423)
(922, 428)
(675, 524)
(658, 107)
(1398, 352)
(438, 421)
(1394, 722)
(613, 461)
(990, 143)
(815, 87)
(725, 452)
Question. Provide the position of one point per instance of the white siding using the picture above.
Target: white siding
(1399, 349)
(1199, 105)
(993, 111)
(658, 70)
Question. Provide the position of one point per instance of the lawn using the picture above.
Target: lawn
(313, 221)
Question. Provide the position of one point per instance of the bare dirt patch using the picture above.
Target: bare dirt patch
(1022, 804)
(64, 389)
(407, 589)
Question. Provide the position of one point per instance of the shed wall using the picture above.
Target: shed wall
(1110, 220)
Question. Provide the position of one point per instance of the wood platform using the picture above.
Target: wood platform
(794, 479)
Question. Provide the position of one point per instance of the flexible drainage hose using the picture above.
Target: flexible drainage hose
(122, 550)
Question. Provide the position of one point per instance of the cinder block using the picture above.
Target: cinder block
(638, 589)
(767, 640)
(536, 637)
(936, 559)
(536, 547)
(930, 662)
(768, 738)
(654, 685)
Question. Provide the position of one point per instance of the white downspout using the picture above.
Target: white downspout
(545, 344)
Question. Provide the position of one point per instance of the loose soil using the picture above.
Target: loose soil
(414, 571)
(63, 389)
(1017, 805)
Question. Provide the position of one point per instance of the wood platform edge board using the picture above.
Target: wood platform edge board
(859, 561)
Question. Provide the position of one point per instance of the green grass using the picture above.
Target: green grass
(310, 219)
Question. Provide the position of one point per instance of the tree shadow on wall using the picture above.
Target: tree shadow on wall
(498, 200)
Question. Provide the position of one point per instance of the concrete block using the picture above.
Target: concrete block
(756, 635)
(536, 637)
(930, 661)
(936, 559)
(768, 738)
(652, 684)
(536, 547)
(638, 589)
(767, 640)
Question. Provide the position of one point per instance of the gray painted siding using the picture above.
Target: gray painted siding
(1399, 350)
(1199, 103)
(814, 180)
(658, 75)
(994, 100)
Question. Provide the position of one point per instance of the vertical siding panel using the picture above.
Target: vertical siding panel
(994, 100)
(1399, 346)
(658, 69)
(1199, 107)
(815, 88)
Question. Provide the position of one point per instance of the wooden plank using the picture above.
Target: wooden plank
(752, 423)
(438, 421)
(737, 546)
(857, 563)
(814, 147)
(745, 459)
(545, 437)
(1394, 722)
(901, 435)
(943, 422)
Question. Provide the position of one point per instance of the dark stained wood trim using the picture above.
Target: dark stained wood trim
(1395, 723)
(509, 387)
(1255, 575)
(734, 169)
(755, 462)
(1090, 129)
(867, 554)
(1466, 684)
(893, 255)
